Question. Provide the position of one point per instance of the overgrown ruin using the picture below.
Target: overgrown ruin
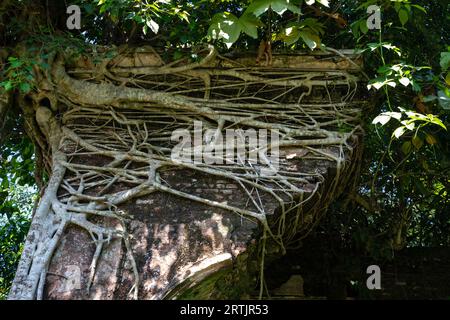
(134, 223)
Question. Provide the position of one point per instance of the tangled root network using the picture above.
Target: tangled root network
(104, 132)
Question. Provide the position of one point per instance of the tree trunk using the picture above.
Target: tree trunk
(122, 218)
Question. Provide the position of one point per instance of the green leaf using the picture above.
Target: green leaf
(315, 26)
(417, 142)
(444, 100)
(363, 27)
(249, 24)
(325, 3)
(406, 148)
(430, 139)
(381, 119)
(152, 25)
(25, 87)
(375, 84)
(16, 64)
(435, 120)
(420, 8)
(225, 26)
(289, 35)
(355, 28)
(103, 9)
(404, 81)
(403, 15)
(391, 84)
(281, 7)
(89, 8)
(384, 70)
(409, 124)
(8, 85)
(416, 86)
(395, 115)
(427, 99)
(312, 40)
(399, 132)
(445, 60)
(258, 7)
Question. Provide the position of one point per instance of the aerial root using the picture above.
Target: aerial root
(127, 127)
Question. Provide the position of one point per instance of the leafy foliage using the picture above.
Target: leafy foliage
(228, 27)
(402, 199)
(14, 223)
(17, 196)
(19, 75)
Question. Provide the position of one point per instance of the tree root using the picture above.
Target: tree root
(128, 126)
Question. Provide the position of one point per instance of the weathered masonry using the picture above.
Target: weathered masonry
(120, 219)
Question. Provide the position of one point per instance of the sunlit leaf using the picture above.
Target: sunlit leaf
(420, 8)
(404, 81)
(258, 7)
(399, 132)
(153, 26)
(435, 120)
(381, 119)
(225, 26)
(325, 3)
(391, 84)
(312, 40)
(410, 125)
(289, 35)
